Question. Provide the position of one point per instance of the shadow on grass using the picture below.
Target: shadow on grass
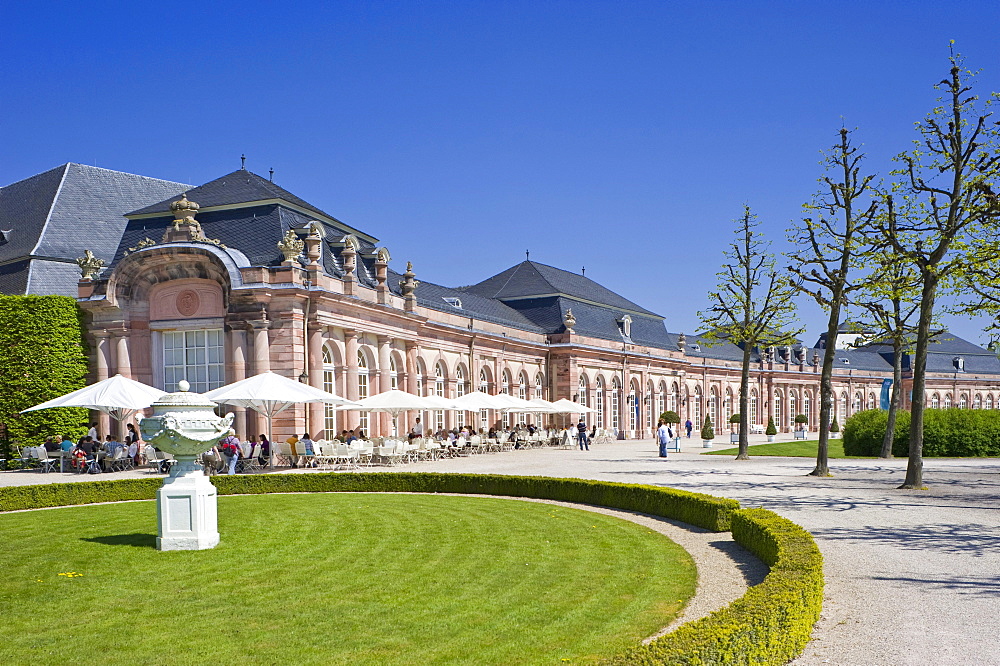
(134, 540)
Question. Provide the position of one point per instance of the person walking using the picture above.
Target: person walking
(663, 437)
(230, 446)
(688, 426)
(581, 435)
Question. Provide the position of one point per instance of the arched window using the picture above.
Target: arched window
(871, 401)
(484, 387)
(363, 421)
(650, 405)
(989, 402)
(963, 401)
(754, 408)
(599, 401)
(505, 389)
(661, 402)
(582, 388)
(439, 392)
(539, 387)
(947, 400)
(422, 391)
(843, 407)
(460, 390)
(633, 407)
(778, 399)
(793, 407)
(673, 397)
(935, 401)
(977, 402)
(522, 387)
(807, 405)
(616, 404)
(856, 405)
(713, 407)
(329, 385)
(727, 406)
(393, 374)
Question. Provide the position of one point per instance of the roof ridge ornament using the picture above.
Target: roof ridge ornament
(569, 320)
(89, 265)
(291, 246)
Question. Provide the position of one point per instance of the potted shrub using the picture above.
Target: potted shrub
(734, 428)
(707, 433)
(800, 426)
(771, 429)
(834, 429)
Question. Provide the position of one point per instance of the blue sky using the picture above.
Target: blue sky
(620, 136)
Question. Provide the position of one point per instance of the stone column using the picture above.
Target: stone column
(238, 352)
(351, 376)
(384, 382)
(123, 364)
(317, 411)
(261, 346)
(103, 362)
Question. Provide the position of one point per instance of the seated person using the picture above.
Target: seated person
(361, 435)
(51, 446)
(111, 445)
(265, 450)
(67, 444)
(305, 448)
(350, 437)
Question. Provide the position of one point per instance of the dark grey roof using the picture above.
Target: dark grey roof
(432, 295)
(53, 217)
(531, 279)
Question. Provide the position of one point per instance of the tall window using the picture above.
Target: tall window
(713, 408)
(977, 402)
(196, 356)
(650, 404)
(582, 387)
(633, 407)
(522, 387)
(754, 408)
(329, 384)
(935, 401)
(871, 401)
(615, 404)
(989, 402)
(505, 389)
(599, 401)
(963, 402)
(947, 400)
(459, 392)
(807, 406)
(661, 402)
(439, 392)
(363, 421)
(696, 407)
(777, 409)
(856, 405)
(484, 386)
(843, 407)
(422, 391)
(727, 411)
(539, 387)
(393, 375)
(673, 397)
(793, 407)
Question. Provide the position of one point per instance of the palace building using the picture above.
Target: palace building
(238, 276)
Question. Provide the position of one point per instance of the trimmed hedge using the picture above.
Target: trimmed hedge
(711, 513)
(772, 622)
(954, 432)
(42, 356)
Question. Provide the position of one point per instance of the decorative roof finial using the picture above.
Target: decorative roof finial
(569, 320)
(243, 162)
(681, 341)
(527, 255)
(408, 285)
(271, 172)
(291, 246)
(89, 265)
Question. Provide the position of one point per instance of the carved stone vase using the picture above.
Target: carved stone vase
(185, 425)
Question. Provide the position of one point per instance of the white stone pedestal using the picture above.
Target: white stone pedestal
(187, 509)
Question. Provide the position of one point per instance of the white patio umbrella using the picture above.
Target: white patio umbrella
(269, 394)
(473, 402)
(544, 406)
(569, 407)
(118, 396)
(392, 402)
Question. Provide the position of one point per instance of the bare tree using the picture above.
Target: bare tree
(839, 227)
(751, 306)
(947, 216)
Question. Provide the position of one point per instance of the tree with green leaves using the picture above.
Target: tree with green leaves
(751, 306)
(889, 298)
(947, 219)
(836, 230)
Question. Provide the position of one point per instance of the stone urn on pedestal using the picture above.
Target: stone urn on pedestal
(185, 424)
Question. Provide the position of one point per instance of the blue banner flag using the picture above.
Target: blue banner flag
(884, 401)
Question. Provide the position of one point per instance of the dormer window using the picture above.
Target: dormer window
(625, 324)
(959, 363)
(453, 302)
(696, 347)
(845, 361)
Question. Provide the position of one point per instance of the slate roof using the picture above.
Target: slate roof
(49, 219)
(532, 279)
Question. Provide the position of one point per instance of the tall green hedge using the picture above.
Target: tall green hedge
(42, 356)
(947, 432)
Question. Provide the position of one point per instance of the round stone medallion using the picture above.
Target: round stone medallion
(188, 302)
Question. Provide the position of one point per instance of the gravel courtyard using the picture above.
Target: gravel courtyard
(912, 577)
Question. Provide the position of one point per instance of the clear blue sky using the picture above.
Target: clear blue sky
(620, 136)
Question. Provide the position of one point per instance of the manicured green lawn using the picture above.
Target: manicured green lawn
(336, 579)
(794, 449)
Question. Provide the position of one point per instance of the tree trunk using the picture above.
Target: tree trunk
(826, 390)
(915, 464)
(894, 401)
(744, 405)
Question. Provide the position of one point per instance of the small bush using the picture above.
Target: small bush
(801, 418)
(670, 417)
(771, 429)
(735, 418)
(947, 432)
(834, 427)
(707, 432)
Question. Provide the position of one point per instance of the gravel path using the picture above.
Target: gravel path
(912, 577)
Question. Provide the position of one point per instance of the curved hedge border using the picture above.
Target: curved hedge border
(770, 624)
